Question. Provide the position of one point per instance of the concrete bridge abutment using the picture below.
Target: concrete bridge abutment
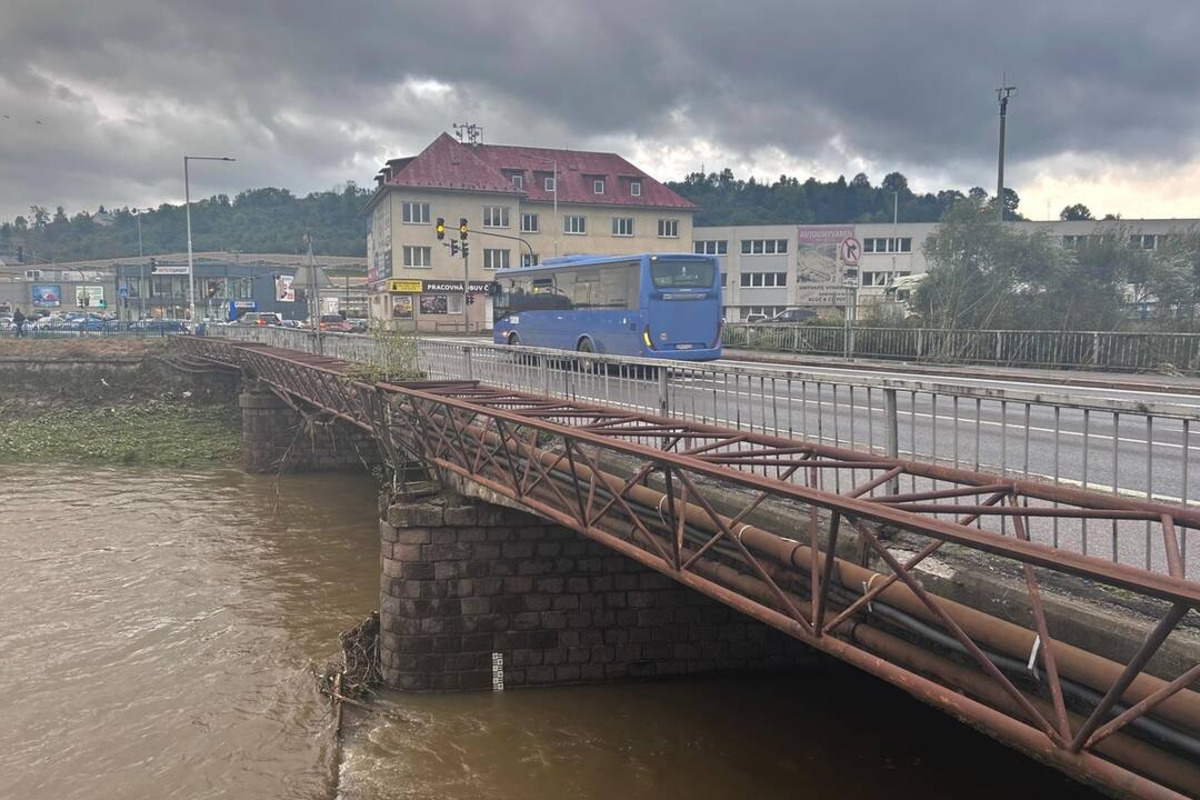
(475, 596)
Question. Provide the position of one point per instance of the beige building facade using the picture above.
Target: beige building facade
(507, 197)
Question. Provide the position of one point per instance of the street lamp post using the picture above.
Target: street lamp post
(187, 199)
(137, 215)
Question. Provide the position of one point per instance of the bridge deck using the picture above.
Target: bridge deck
(690, 500)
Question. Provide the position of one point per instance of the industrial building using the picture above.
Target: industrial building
(769, 268)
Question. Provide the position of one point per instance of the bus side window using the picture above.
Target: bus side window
(633, 285)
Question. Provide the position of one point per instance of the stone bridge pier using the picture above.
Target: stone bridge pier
(479, 596)
(277, 435)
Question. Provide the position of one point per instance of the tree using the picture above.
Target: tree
(41, 217)
(1173, 281)
(984, 274)
(895, 182)
(1076, 213)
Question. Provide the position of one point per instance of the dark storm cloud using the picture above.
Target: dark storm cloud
(308, 93)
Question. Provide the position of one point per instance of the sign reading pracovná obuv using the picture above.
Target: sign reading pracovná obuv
(410, 286)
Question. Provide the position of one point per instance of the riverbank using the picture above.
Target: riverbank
(109, 401)
(150, 433)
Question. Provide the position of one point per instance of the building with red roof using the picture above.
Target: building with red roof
(521, 205)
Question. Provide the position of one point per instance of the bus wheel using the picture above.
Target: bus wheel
(514, 340)
(587, 347)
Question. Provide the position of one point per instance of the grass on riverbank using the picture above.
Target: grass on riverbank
(151, 433)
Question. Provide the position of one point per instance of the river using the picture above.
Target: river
(156, 633)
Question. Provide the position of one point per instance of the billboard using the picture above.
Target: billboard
(46, 295)
(89, 296)
(819, 256)
(284, 292)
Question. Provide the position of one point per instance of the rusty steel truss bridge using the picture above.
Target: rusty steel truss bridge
(831, 546)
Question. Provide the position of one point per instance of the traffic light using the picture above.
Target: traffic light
(20, 255)
(453, 247)
(471, 299)
(441, 228)
(465, 252)
(462, 228)
(153, 263)
(103, 303)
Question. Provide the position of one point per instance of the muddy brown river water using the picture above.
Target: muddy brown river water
(157, 628)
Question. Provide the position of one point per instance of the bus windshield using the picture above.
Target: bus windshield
(682, 274)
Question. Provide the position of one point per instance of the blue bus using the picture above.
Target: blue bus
(656, 305)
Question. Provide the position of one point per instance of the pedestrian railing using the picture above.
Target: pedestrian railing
(1126, 447)
(1102, 350)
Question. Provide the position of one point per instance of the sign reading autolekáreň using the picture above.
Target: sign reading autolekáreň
(823, 234)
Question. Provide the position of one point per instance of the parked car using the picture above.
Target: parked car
(755, 318)
(358, 325)
(335, 323)
(157, 326)
(794, 315)
(260, 318)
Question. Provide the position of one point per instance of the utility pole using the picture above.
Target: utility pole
(316, 291)
(1002, 94)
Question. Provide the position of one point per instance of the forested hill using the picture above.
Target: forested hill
(255, 221)
(725, 200)
(274, 220)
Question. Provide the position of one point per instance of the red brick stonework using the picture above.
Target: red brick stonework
(466, 584)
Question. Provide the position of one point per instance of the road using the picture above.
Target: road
(1129, 453)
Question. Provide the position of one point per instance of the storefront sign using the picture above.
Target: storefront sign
(169, 269)
(413, 286)
(823, 234)
(442, 286)
(403, 286)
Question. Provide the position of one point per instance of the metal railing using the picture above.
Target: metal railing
(1131, 448)
(150, 329)
(1103, 350)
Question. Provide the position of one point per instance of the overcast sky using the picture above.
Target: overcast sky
(100, 100)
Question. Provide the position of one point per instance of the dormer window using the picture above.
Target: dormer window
(518, 180)
(548, 183)
(635, 188)
(598, 186)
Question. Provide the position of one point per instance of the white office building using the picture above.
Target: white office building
(766, 269)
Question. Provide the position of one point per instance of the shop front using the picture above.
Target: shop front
(436, 306)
